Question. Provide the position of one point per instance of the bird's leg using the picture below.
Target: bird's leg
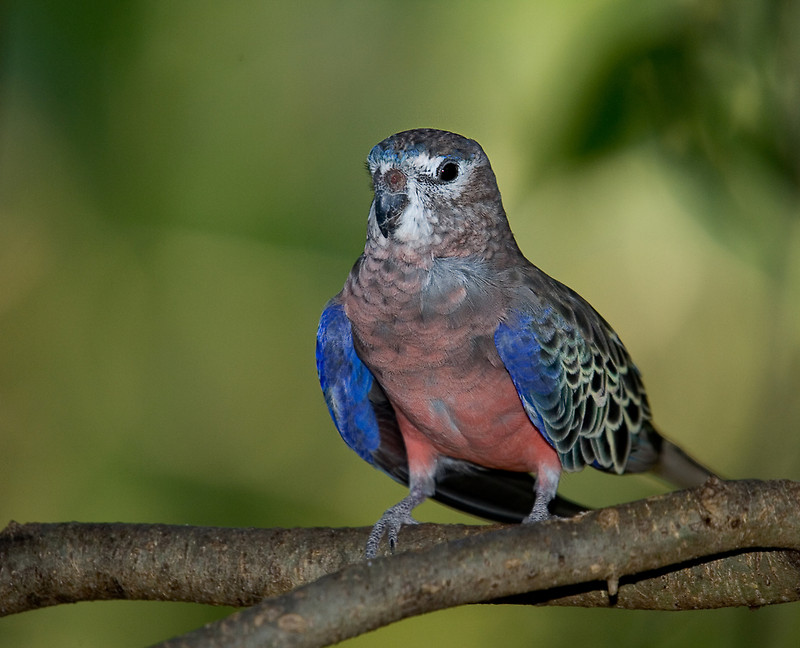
(396, 517)
(546, 487)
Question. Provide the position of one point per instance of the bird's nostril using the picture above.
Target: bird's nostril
(395, 180)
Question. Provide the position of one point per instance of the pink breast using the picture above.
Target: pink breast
(476, 417)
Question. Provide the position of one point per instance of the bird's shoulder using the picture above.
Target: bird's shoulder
(573, 372)
(551, 304)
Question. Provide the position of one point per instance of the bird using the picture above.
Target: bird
(459, 368)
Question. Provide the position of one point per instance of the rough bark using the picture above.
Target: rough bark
(725, 544)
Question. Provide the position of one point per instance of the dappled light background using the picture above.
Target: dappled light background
(182, 189)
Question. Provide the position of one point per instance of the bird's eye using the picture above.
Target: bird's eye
(447, 172)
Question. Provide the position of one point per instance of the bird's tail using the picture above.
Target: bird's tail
(679, 468)
(666, 460)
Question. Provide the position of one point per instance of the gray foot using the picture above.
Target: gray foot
(393, 519)
(389, 525)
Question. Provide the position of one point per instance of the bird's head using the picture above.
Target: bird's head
(433, 190)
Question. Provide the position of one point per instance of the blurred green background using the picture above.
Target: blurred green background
(182, 189)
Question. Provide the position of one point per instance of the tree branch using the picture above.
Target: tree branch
(712, 547)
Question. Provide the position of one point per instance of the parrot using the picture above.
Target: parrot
(459, 368)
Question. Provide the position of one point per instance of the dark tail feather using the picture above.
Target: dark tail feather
(663, 458)
(498, 495)
(679, 468)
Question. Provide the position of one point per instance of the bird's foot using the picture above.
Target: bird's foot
(389, 525)
(540, 512)
(538, 516)
(546, 486)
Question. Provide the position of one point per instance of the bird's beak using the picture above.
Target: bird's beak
(388, 206)
(390, 200)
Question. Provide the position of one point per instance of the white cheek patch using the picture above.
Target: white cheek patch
(416, 223)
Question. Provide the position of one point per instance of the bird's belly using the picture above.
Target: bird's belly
(475, 416)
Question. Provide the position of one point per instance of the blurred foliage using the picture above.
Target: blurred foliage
(717, 92)
(182, 189)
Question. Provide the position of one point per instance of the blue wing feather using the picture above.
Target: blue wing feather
(346, 383)
(534, 372)
(554, 371)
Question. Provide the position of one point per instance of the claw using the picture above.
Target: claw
(391, 522)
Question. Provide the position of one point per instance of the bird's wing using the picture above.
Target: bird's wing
(576, 381)
(366, 421)
(346, 382)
